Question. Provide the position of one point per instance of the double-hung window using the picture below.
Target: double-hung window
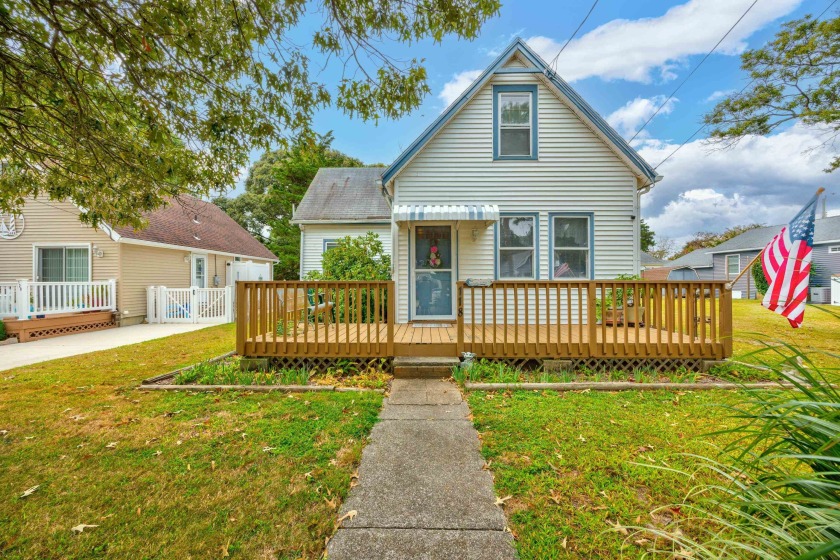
(515, 122)
(330, 244)
(517, 246)
(63, 264)
(571, 257)
(733, 266)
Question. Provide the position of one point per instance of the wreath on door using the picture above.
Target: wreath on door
(434, 256)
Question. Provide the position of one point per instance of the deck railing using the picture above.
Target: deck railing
(503, 319)
(325, 319)
(604, 319)
(34, 299)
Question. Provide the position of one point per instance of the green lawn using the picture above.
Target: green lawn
(818, 336)
(573, 463)
(169, 475)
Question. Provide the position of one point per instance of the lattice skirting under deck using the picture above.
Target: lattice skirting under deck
(49, 332)
(323, 364)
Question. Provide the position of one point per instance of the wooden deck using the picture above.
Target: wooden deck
(489, 341)
(560, 320)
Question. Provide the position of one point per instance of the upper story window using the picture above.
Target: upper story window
(733, 266)
(517, 247)
(515, 122)
(834, 249)
(571, 244)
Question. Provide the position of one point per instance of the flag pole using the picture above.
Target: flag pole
(758, 256)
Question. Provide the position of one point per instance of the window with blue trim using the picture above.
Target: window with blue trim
(571, 248)
(515, 122)
(517, 247)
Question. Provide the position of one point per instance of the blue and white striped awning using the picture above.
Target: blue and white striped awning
(446, 212)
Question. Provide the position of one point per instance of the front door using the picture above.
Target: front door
(199, 271)
(433, 276)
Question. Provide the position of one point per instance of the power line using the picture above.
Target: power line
(704, 125)
(708, 54)
(569, 40)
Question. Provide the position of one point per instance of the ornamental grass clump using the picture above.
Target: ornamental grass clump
(779, 490)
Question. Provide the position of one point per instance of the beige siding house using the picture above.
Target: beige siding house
(68, 264)
(519, 179)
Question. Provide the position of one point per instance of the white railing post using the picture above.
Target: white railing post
(194, 303)
(161, 297)
(112, 294)
(151, 305)
(22, 299)
(229, 304)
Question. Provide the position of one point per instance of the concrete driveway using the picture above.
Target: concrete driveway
(24, 354)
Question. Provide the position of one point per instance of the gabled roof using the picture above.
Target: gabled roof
(612, 138)
(193, 223)
(344, 194)
(826, 230)
(698, 258)
(648, 259)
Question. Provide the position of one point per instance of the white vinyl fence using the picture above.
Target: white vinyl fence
(189, 305)
(25, 300)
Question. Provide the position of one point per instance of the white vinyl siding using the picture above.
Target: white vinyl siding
(576, 173)
(314, 236)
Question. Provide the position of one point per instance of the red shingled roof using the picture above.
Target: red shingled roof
(192, 222)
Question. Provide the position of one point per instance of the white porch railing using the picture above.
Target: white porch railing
(25, 300)
(189, 305)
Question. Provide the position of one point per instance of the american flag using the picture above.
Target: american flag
(787, 264)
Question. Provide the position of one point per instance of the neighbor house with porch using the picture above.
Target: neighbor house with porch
(58, 275)
(506, 221)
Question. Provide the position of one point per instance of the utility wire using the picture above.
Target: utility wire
(704, 125)
(569, 40)
(693, 70)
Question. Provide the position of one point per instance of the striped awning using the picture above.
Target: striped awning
(446, 212)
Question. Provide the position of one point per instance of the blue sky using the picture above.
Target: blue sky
(624, 61)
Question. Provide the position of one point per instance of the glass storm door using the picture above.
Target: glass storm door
(433, 277)
(199, 271)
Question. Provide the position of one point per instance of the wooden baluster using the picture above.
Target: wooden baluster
(495, 321)
(369, 316)
(527, 306)
(505, 313)
(515, 318)
(483, 321)
(713, 301)
(472, 319)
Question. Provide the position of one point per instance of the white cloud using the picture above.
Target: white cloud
(760, 180)
(636, 50)
(719, 94)
(629, 118)
(456, 86)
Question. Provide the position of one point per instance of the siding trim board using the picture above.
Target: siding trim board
(497, 238)
(591, 218)
(497, 121)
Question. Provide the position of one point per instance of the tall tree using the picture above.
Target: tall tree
(119, 104)
(703, 239)
(795, 77)
(275, 184)
(647, 237)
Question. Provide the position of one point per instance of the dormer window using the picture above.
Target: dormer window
(515, 122)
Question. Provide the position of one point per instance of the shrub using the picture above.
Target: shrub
(2, 331)
(355, 258)
(757, 272)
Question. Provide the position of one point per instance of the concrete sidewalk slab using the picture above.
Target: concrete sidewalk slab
(423, 491)
(28, 353)
(417, 544)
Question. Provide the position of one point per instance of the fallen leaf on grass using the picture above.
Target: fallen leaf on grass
(501, 501)
(111, 445)
(213, 465)
(581, 438)
(564, 543)
(618, 527)
(173, 413)
(486, 466)
(80, 528)
(158, 453)
(332, 502)
(30, 491)
(349, 515)
(267, 449)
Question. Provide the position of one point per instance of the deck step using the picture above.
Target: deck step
(424, 367)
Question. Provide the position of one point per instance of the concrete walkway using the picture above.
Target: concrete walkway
(422, 491)
(28, 353)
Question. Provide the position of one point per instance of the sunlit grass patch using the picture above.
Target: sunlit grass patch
(169, 475)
